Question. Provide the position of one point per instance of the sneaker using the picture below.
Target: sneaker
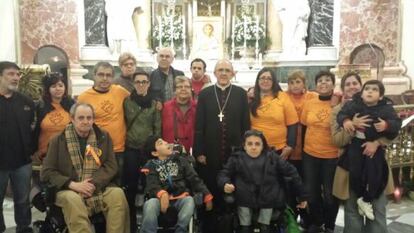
(366, 208)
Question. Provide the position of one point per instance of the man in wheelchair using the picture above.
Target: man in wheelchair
(170, 181)
(80, 163)
(256, 174)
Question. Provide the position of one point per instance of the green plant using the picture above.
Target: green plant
(31, 81)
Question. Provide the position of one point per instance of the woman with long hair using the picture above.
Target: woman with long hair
(351, 84)
(273, 113)
(52, 112)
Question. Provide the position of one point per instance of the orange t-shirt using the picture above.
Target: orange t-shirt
(273, 117)
(316, 116)
(109, 112)
(52, 124)
(299, 101)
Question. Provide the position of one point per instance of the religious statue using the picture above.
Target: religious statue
(120, 29)
(294, 15)
(209, 4)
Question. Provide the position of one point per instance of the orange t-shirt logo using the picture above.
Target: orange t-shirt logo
(56, 118)
(107, 106)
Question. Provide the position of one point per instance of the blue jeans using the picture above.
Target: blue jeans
(318, 175)
(20, 184)
(184, 206)
(354, 222)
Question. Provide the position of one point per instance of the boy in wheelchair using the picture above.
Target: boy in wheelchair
(256, 175)
(170, 180)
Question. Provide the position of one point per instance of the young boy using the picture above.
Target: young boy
(167, 184)
(255, 175)
(368, 169)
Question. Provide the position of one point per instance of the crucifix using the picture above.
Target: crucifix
(221, 116)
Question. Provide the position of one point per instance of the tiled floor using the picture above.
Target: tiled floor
(400, 217)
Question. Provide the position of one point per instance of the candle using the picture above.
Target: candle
(257, 27)
(184, 36)
(233, 32)
(244, 31)
(172, 30)
(159, 32)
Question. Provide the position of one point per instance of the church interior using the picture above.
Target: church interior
(372, 37)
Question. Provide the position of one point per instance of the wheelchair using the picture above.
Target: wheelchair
(43, 199)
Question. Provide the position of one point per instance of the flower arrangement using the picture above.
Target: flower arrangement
(162, 32)
(254, 31)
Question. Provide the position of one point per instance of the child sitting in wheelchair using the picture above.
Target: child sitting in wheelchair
(256, 175)
(170, 181)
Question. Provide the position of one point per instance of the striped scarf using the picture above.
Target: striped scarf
(85, 165)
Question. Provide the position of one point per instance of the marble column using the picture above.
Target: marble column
(274, 30)
(320, 23)
(77, 84)
(95, 22)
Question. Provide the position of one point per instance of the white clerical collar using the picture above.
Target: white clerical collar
(223, 87)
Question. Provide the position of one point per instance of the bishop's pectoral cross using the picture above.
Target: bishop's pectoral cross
(220, 116)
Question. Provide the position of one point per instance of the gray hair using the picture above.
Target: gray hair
(170, 50)
(74, 108)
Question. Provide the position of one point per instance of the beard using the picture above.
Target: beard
(12, 87)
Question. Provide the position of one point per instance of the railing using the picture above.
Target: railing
(401, 151)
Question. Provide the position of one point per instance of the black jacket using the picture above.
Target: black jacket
(158, 79)
(23, 108)
(271, 193)
(176, 176)
(43, 108)
(383, 110)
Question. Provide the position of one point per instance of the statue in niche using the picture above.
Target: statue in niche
(207, 45)
(209, 8)
(120, 28)
(294, 15)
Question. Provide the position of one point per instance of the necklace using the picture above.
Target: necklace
(221, 109)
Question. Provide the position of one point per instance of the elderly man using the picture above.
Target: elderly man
(107, 101)
(16, 145)
(80, 162)
(128, 64)
(222, 118)
(163, 78)
(178, 115)
(199, 78)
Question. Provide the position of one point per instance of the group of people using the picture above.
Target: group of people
(120, 133)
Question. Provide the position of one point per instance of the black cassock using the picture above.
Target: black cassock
(213, 138)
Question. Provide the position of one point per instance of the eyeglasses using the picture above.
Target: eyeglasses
(143, 82)
(183, 87)
(265, 79)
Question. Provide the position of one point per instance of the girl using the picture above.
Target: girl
(254, 174)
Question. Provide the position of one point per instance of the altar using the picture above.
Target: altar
(284, 35)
